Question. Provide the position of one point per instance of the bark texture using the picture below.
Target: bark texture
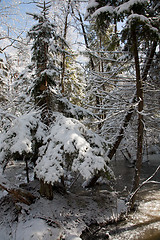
(139, 88)
(46, 190)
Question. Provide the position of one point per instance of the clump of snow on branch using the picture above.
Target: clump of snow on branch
(144, 20)
(70, 147)
(91, 4)
(125, 7)
(140, 17)
(107, 8)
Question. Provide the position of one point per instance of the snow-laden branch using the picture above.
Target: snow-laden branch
(70, 147)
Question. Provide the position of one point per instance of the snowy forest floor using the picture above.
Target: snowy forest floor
(64, 217)
(68, 215)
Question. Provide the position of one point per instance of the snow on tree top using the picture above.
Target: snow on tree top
(140, 17)
(128, 5)
(106, 8)
(91, 4)
(125, 7)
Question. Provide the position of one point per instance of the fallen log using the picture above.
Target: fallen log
(20, 195)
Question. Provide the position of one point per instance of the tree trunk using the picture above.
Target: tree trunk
(46, 190)
(27, 168)
(139, 88)
(63, 48)
(99, 103)
(85, 38)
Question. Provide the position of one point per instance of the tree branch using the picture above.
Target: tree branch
(143, 183)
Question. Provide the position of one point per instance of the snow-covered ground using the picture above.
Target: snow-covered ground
(144, 224)
(65, 217)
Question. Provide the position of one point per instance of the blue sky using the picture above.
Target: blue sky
(13, 19)
(16, 15)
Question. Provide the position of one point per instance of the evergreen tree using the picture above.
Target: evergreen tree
(59, 146)
(46, 49)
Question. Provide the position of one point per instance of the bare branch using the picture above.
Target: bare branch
(143, 183)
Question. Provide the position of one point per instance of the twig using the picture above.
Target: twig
(143, 183)
(49, 221)
(74, 180)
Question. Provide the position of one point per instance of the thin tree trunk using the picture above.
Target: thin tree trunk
(27, 169)
(101, 67)
(120, 135)
(149, 61)
(85, 38)
(99, 99)
(63, 48)
(46, 190)
(139, 88)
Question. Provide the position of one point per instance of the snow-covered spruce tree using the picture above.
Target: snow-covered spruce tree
(46, 66)
(58, 145)
(45, 51)
(67, 149)
(65, 157)
(71, 148)
(35, 82)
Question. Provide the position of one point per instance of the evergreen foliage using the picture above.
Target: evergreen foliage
(75, 149)
(45, 51)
